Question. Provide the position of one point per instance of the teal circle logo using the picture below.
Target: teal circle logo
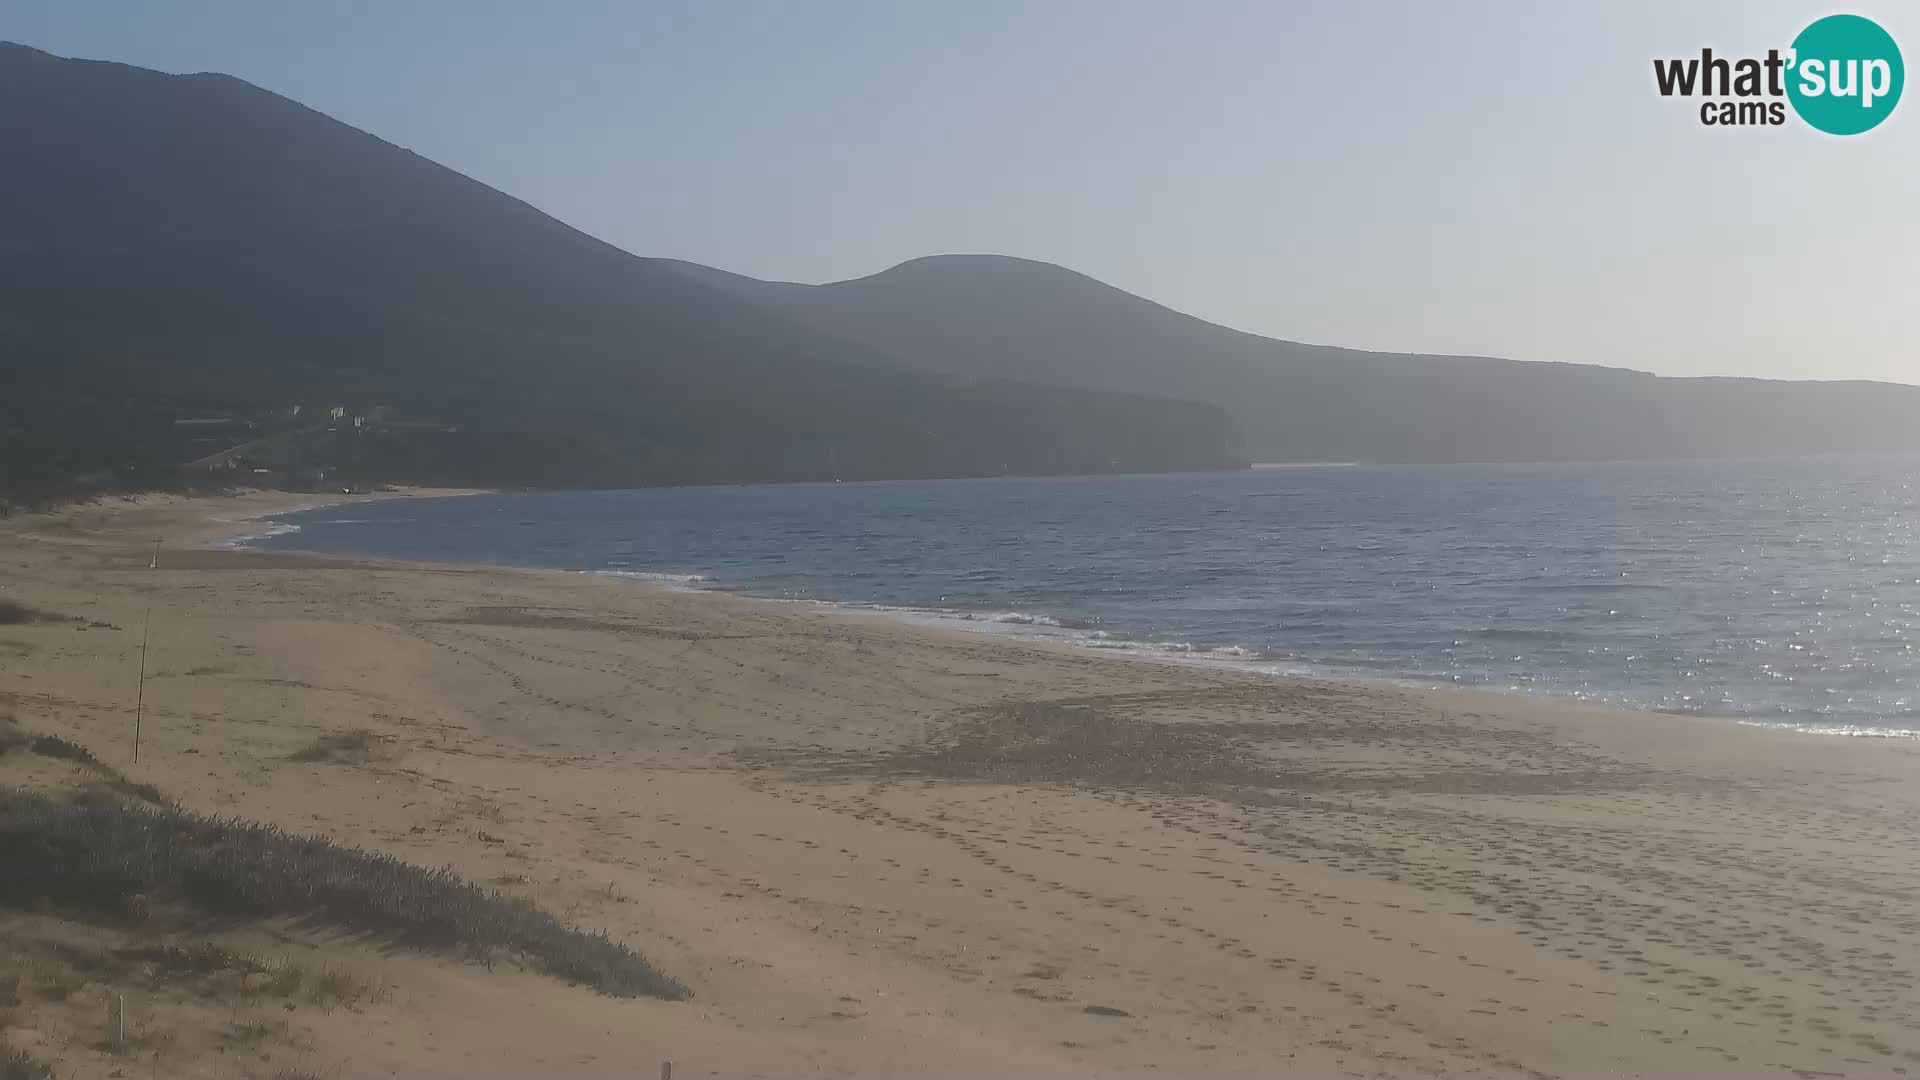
(1845, 74)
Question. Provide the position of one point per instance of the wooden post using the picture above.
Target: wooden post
(666, 1070)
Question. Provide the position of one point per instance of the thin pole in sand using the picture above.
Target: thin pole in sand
(140, 691)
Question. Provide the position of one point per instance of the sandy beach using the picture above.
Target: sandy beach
(874, 849)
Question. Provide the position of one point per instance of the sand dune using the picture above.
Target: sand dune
(874, 849)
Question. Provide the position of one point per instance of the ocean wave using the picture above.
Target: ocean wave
(1233, 654)
(677, 582)
(1019, 618)
(1859, 731)
(1515, 633)
(268, 530)
(1124, 645)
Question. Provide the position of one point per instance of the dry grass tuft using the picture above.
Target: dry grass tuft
(201, 971)
(15, 614)
(1069, 743)
(1105, 743)
(1040, 742)
(61, 749)
(249, 1032)
(54, 746)
(355, 747)
(479, 807)
(217, 973)
(195, 961)
(100, 854)
(17, 1064)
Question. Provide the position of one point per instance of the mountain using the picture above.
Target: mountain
(983, 315)
(175, 246)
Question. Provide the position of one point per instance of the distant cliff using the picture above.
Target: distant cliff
(982, 315)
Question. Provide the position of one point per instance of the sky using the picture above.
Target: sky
(1486, 178)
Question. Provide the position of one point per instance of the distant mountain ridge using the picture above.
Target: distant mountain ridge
(996, 315)
(174, 244)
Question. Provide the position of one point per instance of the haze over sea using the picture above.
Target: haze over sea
(1773, 592)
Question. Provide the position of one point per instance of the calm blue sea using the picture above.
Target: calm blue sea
(1780, 593)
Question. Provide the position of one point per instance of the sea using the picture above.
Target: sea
(1776, 593)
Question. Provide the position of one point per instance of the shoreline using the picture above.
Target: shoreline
(1029, 627)
(877, 849)
(244, 541)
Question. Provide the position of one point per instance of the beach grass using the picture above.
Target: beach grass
(111, 856)
(63, 749)
(1053, 742)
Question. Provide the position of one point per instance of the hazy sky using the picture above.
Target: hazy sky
(1480, 178)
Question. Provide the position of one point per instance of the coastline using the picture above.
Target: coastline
(972, 623)
(274, 506)
(1042, 627)
(875, 848)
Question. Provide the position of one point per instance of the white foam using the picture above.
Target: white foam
(1019, 618)
(1019, 625)
(1027, 626)
(1181, 648)
(269, 527)
(675, 582)
(1837, 729)
(1037, 626)
(268, 530)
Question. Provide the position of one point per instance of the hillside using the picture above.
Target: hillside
(173, 245)
(986, 315)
